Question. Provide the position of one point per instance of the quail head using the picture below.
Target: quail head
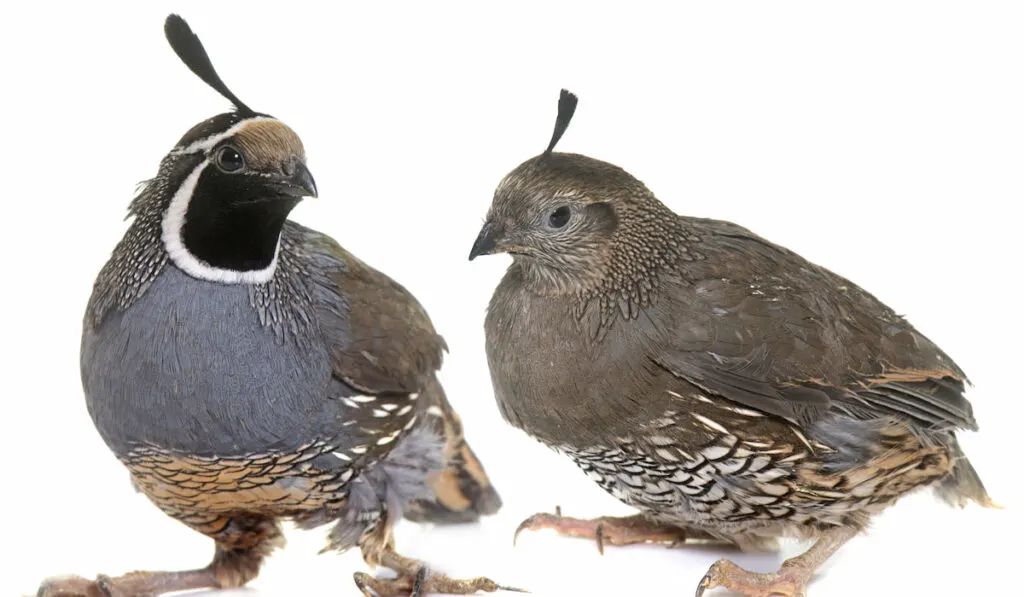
(724, 386)
(246, 369)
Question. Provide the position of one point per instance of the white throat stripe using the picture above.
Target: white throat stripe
(174, 222)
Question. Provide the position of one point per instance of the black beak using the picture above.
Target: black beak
(485, 242)
(303, 180)
(294, 180)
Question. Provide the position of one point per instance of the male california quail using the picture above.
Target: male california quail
(721, 384)
(247, 369)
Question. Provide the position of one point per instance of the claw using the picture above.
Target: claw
(705, 583)
(522, 526)
(529, 523)
(710, 579)
(362, 583)
(104, 584)
(417, 583)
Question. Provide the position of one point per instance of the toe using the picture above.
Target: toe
(362, 583)
(713, 577)
(724, 573)
(107, 587)
(537, 521)
(68, 586)
(439, 583)
(418, 582)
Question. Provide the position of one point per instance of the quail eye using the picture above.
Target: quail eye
(559, 218)
(229, 159)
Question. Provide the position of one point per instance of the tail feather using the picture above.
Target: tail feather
(462, 492)
(963, 485)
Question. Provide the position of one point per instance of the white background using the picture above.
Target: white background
(884, 140)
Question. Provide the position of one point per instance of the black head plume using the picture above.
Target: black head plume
(188, 47)
(566, 108)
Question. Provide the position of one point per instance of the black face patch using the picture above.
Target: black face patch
(233, 221)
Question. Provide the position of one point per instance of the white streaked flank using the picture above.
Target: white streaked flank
(709, 423)
(802, 438)
(387, 439)
(666, 454)
(715, 452)
(794, 457)
(744, 411)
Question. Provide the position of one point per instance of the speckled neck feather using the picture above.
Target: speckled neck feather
(283, 303)
(649, 241)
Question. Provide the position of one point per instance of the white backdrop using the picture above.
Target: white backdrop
(884, 140)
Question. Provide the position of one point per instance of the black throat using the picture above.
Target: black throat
(235, 228)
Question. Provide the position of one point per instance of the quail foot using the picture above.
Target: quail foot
(246, 369)
(722, 385)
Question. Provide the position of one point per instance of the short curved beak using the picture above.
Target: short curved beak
(302, 179)
(294, 180)
(485, 243)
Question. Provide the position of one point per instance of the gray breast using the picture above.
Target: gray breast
(189, 367)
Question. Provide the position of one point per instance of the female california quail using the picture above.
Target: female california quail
(721, 384)
(247, 369)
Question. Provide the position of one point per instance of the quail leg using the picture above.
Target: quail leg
(133, 584)
(790, 580)
(414, 580)
(242, 544)
(613, 530)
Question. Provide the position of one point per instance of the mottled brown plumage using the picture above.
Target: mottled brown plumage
(718, 382)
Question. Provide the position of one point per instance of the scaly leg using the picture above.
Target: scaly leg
(791, 579)
(415, 580)
(241, 547)
(613, 530)
(378, 546)
(133, 584)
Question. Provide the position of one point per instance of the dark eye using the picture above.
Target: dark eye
(229, 159)
(559, 217)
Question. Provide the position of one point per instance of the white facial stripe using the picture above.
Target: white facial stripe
(174, 221)
(209, 142)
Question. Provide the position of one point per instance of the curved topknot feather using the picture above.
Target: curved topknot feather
(191, 51)
(566, 108)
